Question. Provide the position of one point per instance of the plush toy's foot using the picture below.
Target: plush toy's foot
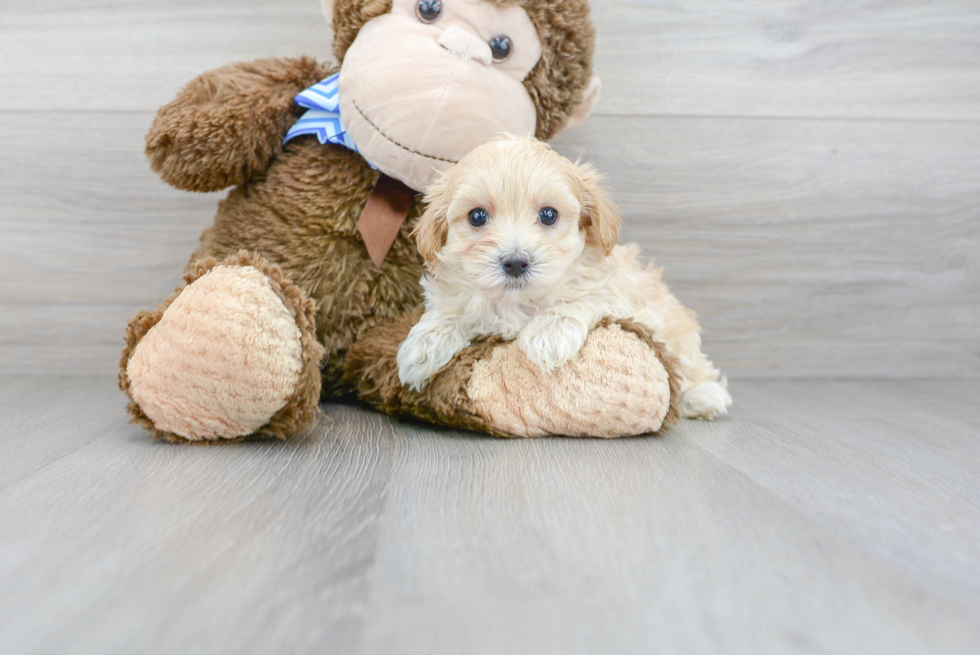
(233, 354)
(619, 385)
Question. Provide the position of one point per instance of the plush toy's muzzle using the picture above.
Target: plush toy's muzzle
(418, 103)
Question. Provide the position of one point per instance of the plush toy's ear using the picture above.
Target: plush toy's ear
(589, 100)
(328, 10)
(600, 217)
(430, 231)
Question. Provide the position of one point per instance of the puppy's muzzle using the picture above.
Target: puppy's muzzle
(516, 266)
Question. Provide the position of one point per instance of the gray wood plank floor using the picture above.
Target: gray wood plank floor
(822, 516)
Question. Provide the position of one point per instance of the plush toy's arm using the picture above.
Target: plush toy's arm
(228, 123)
(621, 383)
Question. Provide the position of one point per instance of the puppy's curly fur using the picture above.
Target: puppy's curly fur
(521, 243)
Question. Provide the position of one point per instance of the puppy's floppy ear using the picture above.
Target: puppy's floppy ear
(600, 217)
(432, 227)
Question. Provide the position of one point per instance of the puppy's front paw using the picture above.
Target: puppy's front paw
(424, 352)
(706, 401)
(413, 369)
(550, 340)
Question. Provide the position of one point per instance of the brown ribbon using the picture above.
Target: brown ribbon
(383, 216)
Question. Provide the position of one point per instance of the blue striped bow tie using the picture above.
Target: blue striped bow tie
(322, 117)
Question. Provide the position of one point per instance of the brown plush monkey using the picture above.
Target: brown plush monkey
(282, 302)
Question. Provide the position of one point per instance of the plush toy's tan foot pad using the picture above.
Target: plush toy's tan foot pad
(225, 356)
(616, 386)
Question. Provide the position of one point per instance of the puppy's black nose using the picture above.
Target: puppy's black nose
(515, 266)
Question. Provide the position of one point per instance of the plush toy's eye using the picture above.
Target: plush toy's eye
(500, 46)
(548, 216)
(479, 217)
(428, 11)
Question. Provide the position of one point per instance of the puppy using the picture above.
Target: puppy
(520, 242)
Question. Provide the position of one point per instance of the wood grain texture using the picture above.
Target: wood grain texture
(52, 411)
(809, 248)
(129, 545)
(912, 59)
(100, 55)
(821, 516)
(843, 245)
(90, 237)
(864, 58)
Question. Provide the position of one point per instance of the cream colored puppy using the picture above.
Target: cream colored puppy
(520, 242)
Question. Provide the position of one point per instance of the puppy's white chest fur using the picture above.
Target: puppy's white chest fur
(596, 287)
(521, 243)
(476, 313)
(549, 328)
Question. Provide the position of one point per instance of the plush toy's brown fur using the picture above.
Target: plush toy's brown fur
(300, 205)
(293, 212)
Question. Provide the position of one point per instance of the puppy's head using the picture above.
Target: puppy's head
(514, 216)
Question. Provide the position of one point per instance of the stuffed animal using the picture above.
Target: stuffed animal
(308, 280)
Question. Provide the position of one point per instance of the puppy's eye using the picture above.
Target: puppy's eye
(548, 216)
(479, 217)
(428, 11)
(500, 46)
